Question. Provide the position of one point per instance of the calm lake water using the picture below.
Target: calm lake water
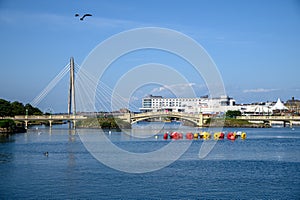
(264, 166)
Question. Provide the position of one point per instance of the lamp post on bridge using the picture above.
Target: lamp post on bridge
(50, 121)
(26, 118)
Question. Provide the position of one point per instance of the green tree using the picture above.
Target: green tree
(5, 108)
(7, 123)
(233, 113)
(8, 109)
(17, 108)
(33, 110)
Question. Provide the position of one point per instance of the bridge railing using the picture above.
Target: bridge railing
(269, 117)
(149, 114)
(48, 117)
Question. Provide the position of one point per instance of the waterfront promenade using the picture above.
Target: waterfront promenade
(272, 119)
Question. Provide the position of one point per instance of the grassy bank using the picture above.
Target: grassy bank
(9, 126)
(104, 123)
(232, 122)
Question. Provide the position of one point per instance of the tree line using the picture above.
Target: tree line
(10, 109)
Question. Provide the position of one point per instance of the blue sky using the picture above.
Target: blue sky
(255, 44)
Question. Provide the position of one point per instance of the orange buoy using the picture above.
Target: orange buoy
(180, 135)
(216, 136)
(196, 135)
(174, 135)
(229, 135)
(222, 135)
(189, 136)
(243, 135)
(166, 136)
(219, 135)
(206, 135)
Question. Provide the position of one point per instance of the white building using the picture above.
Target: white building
(263, 108)
(279, 106)
(256, 109)
(188, 105)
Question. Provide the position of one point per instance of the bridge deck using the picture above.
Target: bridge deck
(270, 118)
(45, 117)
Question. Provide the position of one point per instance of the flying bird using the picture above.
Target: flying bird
(85, 15)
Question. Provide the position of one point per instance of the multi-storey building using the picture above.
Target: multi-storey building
(189, 105)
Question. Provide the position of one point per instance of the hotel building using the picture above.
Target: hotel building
(188, 105)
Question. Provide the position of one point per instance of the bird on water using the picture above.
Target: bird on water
(85, 15)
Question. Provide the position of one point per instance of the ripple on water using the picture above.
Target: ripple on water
(5, 157)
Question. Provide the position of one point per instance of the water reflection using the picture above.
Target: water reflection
(5, 157)
(5, 138)
(71, 149)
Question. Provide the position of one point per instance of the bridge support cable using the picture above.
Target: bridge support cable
(106, 93)
(103, 92)
(88, 84)
(50, 86)
(85, 84)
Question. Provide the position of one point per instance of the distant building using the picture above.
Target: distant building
(264, 108)
(124, 110)
(293, 105)
(218, 105)
(188, 105)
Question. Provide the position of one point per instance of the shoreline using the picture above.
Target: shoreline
(230, 123)
(4, 131)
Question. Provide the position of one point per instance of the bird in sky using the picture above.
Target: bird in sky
(81, 18)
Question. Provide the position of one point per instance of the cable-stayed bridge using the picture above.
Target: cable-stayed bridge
(85, 82)
(102, 100)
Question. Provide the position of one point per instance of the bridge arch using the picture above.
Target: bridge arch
(142, 119)
(196, 119)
